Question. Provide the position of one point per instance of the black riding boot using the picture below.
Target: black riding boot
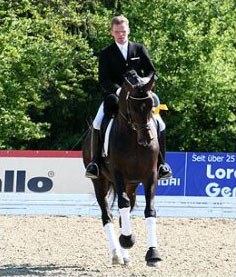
(94, 167)
(164, 170)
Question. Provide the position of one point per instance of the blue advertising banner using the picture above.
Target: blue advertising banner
(174, 186)
(199, 174)
(211, 174)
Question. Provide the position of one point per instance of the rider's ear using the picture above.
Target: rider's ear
(149, 86)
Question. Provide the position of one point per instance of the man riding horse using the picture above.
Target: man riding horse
(114, 62)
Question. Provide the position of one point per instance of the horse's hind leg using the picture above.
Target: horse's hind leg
(101, 188)
(114, 246)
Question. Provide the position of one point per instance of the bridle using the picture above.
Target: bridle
(134, 125)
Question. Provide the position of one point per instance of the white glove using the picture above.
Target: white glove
(118, 91)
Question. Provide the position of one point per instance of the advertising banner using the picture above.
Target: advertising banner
(211, 174)
(43, 172)
(194, 174)
(53, 182)
(200, 174)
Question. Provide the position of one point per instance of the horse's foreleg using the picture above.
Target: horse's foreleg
(131, 193)
(151, 232)
(152, 255)
(126, 228)
(127, 239)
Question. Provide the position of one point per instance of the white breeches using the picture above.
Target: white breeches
(98, 118)
(158, 117)
(97, 122)
(162, 124)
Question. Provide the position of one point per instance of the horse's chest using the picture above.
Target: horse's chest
(133, 155)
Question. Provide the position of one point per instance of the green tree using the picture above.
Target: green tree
(48, 73)
(192, 44)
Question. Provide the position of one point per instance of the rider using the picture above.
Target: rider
(114, 61)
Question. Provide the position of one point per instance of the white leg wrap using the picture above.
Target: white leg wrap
(97, 122)
(125, 221)
(124, 253)
(111, 237)
(151, 232)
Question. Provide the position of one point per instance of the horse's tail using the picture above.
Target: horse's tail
(112, 196)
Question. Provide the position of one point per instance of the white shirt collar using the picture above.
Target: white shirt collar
(123, 48)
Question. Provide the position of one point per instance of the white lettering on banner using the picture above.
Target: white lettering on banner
(230, 158)
(213, 190)
(220, 173)
(215, 158)
(198, 158)
(169, 182)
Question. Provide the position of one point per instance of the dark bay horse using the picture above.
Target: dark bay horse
(132, 159)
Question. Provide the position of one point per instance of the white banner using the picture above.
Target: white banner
(43, 175)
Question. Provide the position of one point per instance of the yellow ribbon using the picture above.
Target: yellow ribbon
(160, 107)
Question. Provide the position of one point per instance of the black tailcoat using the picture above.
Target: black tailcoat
(113, 66)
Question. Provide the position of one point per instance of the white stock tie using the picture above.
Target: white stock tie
(123, 51)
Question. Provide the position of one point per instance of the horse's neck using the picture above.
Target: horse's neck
(123, 99)
(122, 121)
(123, 114)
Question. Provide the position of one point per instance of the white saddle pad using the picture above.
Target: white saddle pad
(106, 139)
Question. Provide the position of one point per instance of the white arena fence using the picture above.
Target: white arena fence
(53, 183)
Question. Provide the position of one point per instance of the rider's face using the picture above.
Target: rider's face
(120, 32)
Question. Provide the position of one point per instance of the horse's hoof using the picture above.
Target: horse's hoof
(117, 258)
(152, 257)
(127, 241)
(153, 264)
(127, 261)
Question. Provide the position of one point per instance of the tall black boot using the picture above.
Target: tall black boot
(164, 170)
(94, 167)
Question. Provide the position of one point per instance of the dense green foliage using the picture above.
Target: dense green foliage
(48, 71)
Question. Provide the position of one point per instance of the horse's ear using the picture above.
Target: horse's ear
(150, 83)
(128, 85)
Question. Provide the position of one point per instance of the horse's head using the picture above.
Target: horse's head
(136, 104)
